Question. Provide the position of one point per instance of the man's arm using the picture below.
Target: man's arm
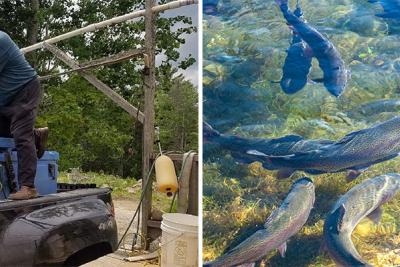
(3, 59)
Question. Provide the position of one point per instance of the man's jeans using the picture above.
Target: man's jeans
(17, 120)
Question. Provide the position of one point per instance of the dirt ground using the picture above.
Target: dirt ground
(124, 210)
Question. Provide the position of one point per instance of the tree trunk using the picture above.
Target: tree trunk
(33, 28)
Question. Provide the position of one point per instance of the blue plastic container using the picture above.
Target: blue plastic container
(46, 174)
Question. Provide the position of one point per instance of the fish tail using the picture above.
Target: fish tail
(338, 241)
(282, 2)
(298, 11)
(209, 132)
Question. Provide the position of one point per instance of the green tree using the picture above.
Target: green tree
(177, 115)
(86, 128)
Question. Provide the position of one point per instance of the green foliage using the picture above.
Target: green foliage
(177, 115)
(86, 128)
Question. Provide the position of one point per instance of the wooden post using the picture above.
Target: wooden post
(102, 87)
(149, 114)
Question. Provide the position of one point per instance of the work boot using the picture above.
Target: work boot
(41, 136)
(24, 193)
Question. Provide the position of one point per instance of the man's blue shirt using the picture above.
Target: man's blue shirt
(15, 71)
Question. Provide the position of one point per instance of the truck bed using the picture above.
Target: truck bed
(54, 198)
(63, 229)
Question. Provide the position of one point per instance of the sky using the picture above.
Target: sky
(191, 45)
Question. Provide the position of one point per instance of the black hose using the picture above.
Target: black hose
(137, 211)
(140, 204)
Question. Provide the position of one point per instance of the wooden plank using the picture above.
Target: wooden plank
(99, 62)
(102, 87)
(113, 59)
(109, 22)
(149, 113)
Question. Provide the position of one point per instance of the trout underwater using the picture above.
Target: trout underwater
(363, 200)
(355, 152)
(335, 72)
(297, 63)
(282, 224)
(247, 150)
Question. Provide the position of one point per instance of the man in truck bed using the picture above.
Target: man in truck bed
(20, 95)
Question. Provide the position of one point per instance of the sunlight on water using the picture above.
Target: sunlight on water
(245, 47)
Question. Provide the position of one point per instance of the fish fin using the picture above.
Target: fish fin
(375, 215)
(319, 80)
(284, 173)
(348, 137)
(352, 175)
(340, 214)
(309, 52)
(282, 249)
(255, 153)
(323, 248)
(209, 131)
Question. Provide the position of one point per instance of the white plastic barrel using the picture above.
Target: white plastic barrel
(179, 240)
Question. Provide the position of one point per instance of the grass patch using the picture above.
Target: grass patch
(122, 188)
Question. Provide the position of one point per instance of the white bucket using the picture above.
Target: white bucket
(179, 240)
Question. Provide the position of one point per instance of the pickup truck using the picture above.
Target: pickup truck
(66, 227)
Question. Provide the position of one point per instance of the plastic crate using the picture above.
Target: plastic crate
(46, 174)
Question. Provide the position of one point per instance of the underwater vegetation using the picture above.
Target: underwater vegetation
(282, 224)
(235, 207)
(245, 45)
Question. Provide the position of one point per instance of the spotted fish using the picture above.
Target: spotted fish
(282, 224)
(355, 152)
(363, 200)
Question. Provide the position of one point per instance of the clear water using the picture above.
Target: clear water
(245, 45)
